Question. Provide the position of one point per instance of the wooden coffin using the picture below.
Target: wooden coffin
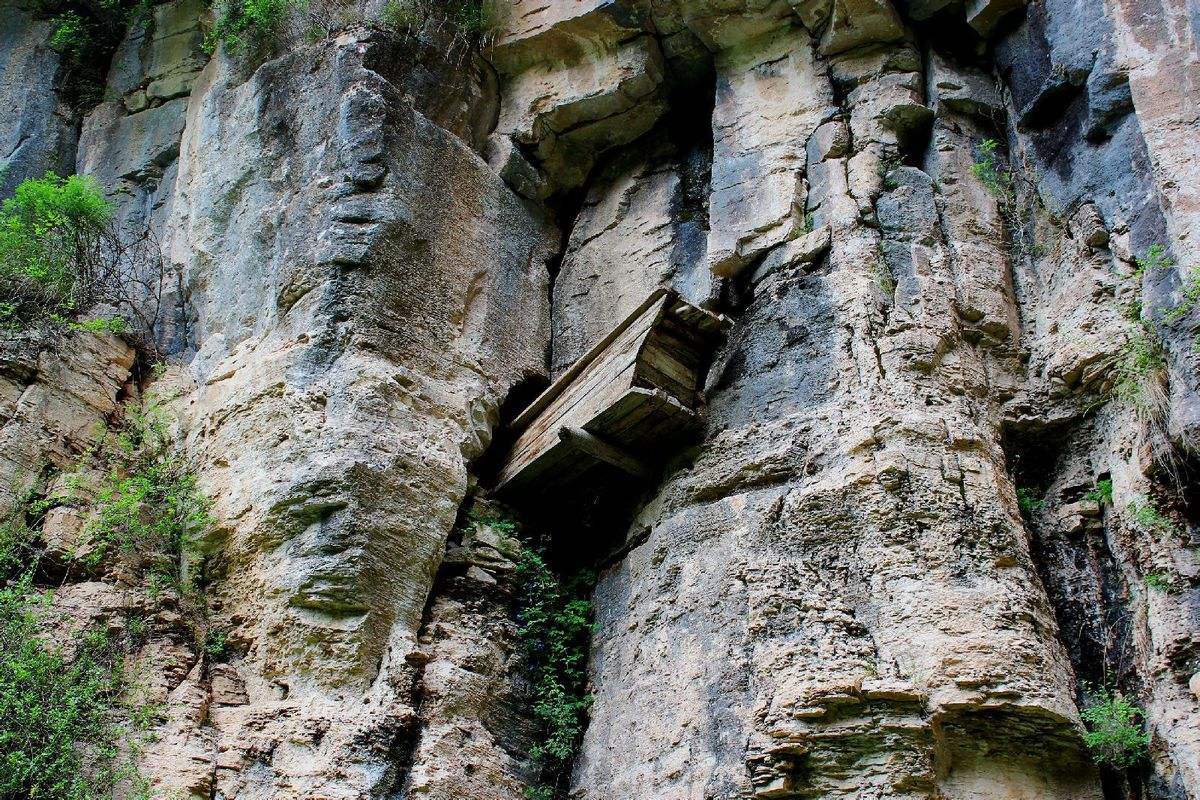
(634, 393)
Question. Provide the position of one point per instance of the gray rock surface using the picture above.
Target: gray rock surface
(37, 129)
(883, 569)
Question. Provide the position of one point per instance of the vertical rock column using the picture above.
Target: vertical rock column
(366, 291)
(837, 598)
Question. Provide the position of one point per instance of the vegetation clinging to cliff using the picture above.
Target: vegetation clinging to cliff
(1114, 734)
(86, 33)
(471, 23)
(247, 24)
(57, 730)
(555, 619)
(51, 232)
(62, 254)
(71, 724)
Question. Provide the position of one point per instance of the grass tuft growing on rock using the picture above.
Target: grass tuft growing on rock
(1114, 737)
(1141, 375)
(473, 23)
(986, 168)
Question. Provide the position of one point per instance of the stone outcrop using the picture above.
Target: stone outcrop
(884, 568)
(37, 128)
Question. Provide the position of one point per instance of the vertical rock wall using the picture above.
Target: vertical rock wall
(835, 592)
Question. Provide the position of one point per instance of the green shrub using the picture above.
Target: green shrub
(1029, 502)
(1114, 735)
(52, 234)
(86, 33)
(57, 737)
(1102, 494)
(987, 171)
(248, 25)
(555, 630)
(148, 507)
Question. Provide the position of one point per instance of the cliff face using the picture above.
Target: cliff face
(937, 499)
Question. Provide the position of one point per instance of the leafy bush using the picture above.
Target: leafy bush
(86, 33)
(148, 508)
(555, 628)
(1029, 502)
(1102, 494)
(57, 736)
(248, 25)
(52, 231)
(1114, 735)
(61, 255)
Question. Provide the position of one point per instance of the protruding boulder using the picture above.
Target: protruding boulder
(985, 15)
(858, 22)
(769, 102)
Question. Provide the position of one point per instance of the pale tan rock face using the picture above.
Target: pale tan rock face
(55, 402)
(881, 571)
(770, 99)
(352, 315)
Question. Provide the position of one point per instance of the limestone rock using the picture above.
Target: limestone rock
(37, 129)
(768, 104)
(859, 22)
(56, 401)
(634, 233)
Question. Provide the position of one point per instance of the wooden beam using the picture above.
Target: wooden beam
(598, 448)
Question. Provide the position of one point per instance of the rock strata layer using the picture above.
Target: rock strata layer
(944, 484)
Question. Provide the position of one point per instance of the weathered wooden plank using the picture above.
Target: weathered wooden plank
(601, 450)
(600, 383)
(630, 394)
(564, 380)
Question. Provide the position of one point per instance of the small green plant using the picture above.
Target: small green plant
(1154, 258)
(555, 629)
(216, 644)
(1157, 581)
(1102, 494)
(988, 172)
(1191, 295)
(1114, 736)
(883, 277)
(57, 733)
(500, 524)
(1029, 502)
(1147, 517)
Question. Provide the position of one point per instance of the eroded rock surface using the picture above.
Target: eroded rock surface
(885, 567)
